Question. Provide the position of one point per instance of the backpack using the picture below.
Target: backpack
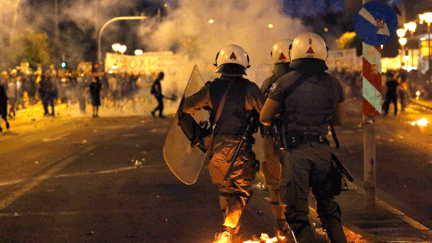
(153, 90)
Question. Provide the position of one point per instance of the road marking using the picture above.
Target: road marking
(396, 212)
(97, 172)
(38, 180)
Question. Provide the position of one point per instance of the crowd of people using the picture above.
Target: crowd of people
(71, 88)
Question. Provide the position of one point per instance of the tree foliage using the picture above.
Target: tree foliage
(347, 40)
(31, 47)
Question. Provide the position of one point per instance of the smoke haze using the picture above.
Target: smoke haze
(187, 30)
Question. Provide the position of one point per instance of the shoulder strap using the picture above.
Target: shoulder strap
(294, 85)
(272, 80)
(218, 113)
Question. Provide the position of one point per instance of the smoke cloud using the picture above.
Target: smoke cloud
(200, 29)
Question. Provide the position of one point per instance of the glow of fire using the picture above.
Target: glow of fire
(422, 122)
(266, 239)
(418, 93)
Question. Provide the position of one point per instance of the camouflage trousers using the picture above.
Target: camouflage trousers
(236, 190)
(271, 167)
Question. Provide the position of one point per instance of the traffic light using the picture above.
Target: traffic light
(63, 64)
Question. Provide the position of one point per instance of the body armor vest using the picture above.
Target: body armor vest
(233, 119)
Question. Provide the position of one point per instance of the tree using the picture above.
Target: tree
(30, 46)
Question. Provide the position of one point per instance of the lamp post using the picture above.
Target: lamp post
(401, 33)
(402, 41)
(427, 17)
(411, 26)
(110, 21)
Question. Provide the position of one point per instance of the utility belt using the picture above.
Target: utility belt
(295, 138)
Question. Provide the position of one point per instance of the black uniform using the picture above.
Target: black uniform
(306, 160)
(95, 90)
(272, 152)
(3, 106)
(391, 96)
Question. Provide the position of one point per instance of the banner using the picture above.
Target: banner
(344, 59)
(147, 63)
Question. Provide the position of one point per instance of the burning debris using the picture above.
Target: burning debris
(266, 239)
(421, 123)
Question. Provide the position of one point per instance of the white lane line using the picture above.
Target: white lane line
(36, 181)
(111, 212)
(98, 172)
(399, 214)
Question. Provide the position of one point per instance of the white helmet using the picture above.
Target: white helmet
(308, 45)
(280, 52)
(232, 59)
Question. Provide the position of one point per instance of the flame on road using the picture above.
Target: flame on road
(266, 239)
(421, 123)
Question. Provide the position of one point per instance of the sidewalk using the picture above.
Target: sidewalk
(384, 223)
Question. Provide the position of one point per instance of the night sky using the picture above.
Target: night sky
(303, 7)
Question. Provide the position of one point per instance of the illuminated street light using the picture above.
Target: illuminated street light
(411, 26)
(400, 33)
(109, 22)
(116, 47)
(270, 26)
(122, 49)
(138, 52)
(427, 17)
(211, 21)
(402, 41)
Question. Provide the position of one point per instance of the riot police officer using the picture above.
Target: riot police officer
(242, 97)
(310, 100)
(271, 136)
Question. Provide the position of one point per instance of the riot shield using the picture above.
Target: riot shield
(182, 154)
(263, 71)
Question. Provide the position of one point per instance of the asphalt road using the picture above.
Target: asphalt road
(76, 181)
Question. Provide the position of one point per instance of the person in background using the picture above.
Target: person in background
(391, 95)
(156, 90)
(402, 89)
(95, 89)
(3, 106)
(12, 94)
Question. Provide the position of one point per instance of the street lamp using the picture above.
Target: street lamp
(401, 33)
(402, 41)
(138, 52)
(411, 26)
(110, 21)
(122, 49)
(427, 17)
(116, 47)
